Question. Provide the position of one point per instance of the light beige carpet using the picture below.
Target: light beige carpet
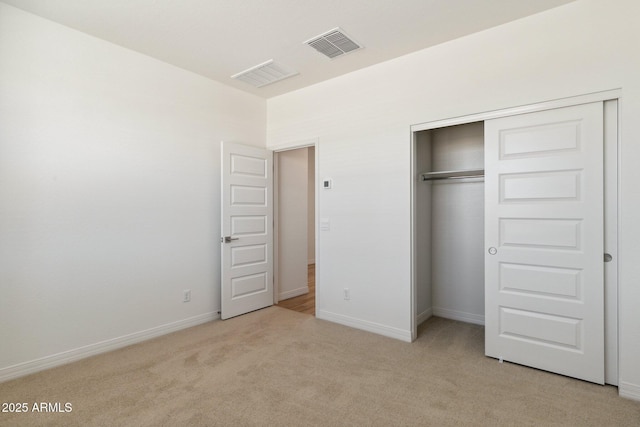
(276, 367)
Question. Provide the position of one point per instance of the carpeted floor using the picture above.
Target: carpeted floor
(276, 367)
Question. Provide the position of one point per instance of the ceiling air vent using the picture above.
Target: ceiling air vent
(264, 74)
(333, 43)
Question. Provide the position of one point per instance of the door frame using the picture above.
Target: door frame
(611, 202)
(276, 229)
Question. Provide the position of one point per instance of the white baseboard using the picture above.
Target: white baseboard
(458, 315)
(376, 328)
(69, 356)
(422, 317)
(303, 290)
(628, 390)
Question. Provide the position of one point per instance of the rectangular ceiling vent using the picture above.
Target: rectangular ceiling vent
(333, 43)
(264, 74)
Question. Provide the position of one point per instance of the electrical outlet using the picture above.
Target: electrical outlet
(186, 295)
(347, 294)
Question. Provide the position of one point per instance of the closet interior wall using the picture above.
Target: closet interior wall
(450, 225)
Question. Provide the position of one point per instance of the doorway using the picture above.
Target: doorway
(294, 229)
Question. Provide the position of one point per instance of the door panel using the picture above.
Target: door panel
(539, 140)
(611, 240)
(541, 233)
(544, 281)
(540, 328)
(541, 186)
(247, 220)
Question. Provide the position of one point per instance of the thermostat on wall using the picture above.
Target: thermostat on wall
(326, 183)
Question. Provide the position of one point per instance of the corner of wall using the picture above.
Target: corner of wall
(376, 328)
(629, 391)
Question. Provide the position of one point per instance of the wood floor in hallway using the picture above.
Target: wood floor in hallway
(304, 303)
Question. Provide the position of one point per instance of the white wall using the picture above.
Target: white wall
(292, 222)
(457, 224)
(109, 192)
(362, 121)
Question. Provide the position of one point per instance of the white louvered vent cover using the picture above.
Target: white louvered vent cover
(264, 74)
(333, 43)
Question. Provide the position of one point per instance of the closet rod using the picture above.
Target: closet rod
(432, 176)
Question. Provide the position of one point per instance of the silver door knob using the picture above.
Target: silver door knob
(228, 239)
(608, 258)
(492, 251)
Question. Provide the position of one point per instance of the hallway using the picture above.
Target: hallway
(304, 303)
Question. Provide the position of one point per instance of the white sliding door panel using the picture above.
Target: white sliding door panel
(611, 240)
(544, 282)
(247, 229)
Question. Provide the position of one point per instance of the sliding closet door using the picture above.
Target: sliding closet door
(544, 283)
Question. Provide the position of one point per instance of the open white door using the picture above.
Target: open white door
(247, 229)
(544, 271)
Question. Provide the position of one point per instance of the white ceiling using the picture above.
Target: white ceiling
(219, 38)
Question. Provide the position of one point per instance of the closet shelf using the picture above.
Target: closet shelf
(472, 173)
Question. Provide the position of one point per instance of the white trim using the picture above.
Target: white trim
(294, 293)
(458, 315)
(413, 306)
(547, 105)
(376, 328)
(69, 356)
(422, 317)
(311, 142)
(628, 390)
(316, 219)
(276, 228)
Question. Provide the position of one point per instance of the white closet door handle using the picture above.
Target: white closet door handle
(492, 251)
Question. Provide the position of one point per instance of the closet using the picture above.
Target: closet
(450, 232)
(515, 228)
